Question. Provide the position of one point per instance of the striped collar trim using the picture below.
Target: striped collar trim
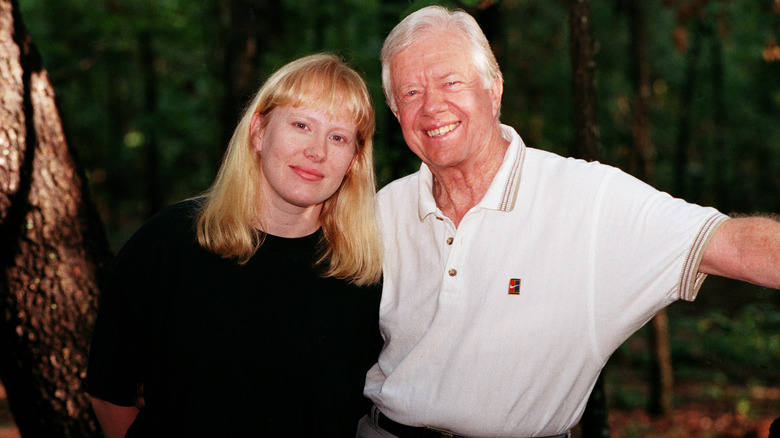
(502, 193)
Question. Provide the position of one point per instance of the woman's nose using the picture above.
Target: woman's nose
(316, 149)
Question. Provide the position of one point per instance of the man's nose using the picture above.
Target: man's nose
(433, 101)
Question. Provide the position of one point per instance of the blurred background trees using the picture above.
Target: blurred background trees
(150, 90)
(687, 98)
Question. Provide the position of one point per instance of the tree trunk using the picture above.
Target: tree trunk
(53, 250)
(247, 26)
(642, 158)
(154, 198)
(594, 420)
(583, 88)
(488, 15)
(720, 155)
(681, 187)
(661, 371)
(643, 152)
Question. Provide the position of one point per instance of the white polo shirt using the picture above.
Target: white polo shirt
(501, 326)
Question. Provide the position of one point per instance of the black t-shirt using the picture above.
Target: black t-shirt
(268, 348)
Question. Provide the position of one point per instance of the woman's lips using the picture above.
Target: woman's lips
(308, 173)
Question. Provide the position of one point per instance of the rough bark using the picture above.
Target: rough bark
(53, 249)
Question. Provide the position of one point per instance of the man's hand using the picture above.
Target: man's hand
(113, 419)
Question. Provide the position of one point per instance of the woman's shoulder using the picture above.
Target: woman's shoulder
(172, 227)
(180, 213)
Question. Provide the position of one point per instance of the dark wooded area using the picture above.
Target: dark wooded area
(684, 94)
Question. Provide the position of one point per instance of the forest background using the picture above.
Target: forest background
(142, 87)
(150, 91)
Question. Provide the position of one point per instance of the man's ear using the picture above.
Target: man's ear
(496, 91)
(256, 131)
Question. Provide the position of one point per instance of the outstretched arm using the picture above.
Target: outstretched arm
(747, 249)
(113, 419)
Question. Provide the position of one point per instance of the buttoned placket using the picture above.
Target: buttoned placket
(456, 247)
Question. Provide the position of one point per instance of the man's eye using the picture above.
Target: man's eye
(412, 92)
(300, 125)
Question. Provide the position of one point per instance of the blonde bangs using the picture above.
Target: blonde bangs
(228, 220)
(330, 87)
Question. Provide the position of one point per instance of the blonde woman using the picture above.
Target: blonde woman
(252, 311)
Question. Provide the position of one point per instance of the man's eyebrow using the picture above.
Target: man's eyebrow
(438, 77)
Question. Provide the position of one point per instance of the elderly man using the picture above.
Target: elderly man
(512, 274)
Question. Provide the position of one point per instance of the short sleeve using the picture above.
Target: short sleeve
(119, 347)
(646, 250)
(114, 371)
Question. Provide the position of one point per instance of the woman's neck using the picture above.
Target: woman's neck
(289, 222)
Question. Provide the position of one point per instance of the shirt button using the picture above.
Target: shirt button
(452, 272)
(449, 240)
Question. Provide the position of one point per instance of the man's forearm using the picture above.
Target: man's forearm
(747, 249)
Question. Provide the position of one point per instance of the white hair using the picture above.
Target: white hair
(438, 17)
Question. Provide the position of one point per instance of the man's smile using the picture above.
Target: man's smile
(438, 132)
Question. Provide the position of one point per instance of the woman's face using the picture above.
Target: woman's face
(304, 155)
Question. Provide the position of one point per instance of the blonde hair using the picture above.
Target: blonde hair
(226, 222)
(432, 18)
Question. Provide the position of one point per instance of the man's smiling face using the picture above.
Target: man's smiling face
(445, 112)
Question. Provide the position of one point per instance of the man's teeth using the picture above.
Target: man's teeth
(443, 130)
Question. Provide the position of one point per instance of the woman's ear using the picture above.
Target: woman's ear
(351, 163)
(256, 131)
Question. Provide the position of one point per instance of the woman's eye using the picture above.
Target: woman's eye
(342, 138)
(300, 125)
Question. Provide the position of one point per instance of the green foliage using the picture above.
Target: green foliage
(100, 56)
(745, 346)
(536, 68)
